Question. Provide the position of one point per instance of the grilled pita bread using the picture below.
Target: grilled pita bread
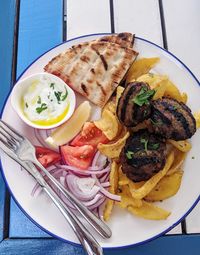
(123, 39)
(93, 69)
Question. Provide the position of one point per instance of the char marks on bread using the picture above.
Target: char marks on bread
(94, 69)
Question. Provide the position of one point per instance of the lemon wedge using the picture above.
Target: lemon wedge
(71, 128)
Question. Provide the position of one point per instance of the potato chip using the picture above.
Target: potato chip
(168, 186)
(197, 118)
(184, 97)
(160, 90)
(179, 158)
(149, 211)
(114, 176)
(151, 183)
(172, 91)
(184, 146)
(154, 80)
(140, 67)
(108, 124)
(112, 150)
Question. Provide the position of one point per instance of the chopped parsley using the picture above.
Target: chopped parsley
(145, 142)
(52, 85)
(26, 105)
(39, 100)
(143, 96)
(154, 146)
(129, 154)
(58, 95)
(41, 108)
(65, 95)
(193, 157)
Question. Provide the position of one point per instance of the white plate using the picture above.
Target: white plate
(127, 229)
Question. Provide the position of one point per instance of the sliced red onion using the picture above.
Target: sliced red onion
(98, 204)
(106, 192)
(110, 195)
(84, 172)
(74, 186)
(93, 201)
(105, 184)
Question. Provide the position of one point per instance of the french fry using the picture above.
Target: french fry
(140, 67)
(112, 150)
(168, 186)
(151, 183)
(112, 189)
(149, 211)
(184, 146)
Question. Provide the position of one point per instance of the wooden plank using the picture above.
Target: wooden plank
(139, 17)
(40, 29)
(87, 17)
(183, 36)
(184, 245)
(7, 18)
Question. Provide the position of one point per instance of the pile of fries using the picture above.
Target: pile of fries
(138, 198)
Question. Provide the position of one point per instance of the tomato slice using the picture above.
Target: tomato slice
(80, 157)
(46, 156)
(90, 135)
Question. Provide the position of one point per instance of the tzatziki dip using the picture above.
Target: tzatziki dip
(45, 101)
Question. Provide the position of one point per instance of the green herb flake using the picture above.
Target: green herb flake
(65, 95)
(41, 108)
(129, 154)
(58, 96)
(52, 85)
(39, 101)
(26, 105)
(143, 96)
(145, 142)
(193, 157)
(154, 146)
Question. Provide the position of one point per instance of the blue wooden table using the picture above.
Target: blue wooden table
(28, 28)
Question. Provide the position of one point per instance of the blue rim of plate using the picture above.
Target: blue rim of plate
(60, 238)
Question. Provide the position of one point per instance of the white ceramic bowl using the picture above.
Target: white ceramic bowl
(20, 88)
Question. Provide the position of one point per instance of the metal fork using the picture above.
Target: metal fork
(25, 151)
(89, 243)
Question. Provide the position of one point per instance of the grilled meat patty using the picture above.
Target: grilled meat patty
(143, 155)
(172, 119)
(133, 106)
